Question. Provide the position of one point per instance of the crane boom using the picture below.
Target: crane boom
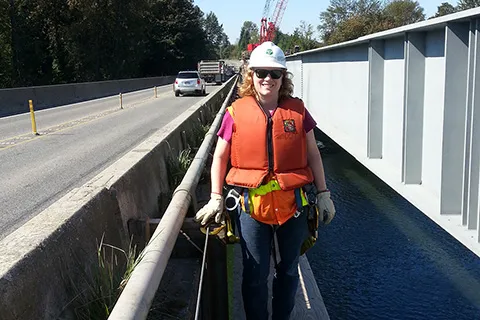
(268, 28)
(278, 14)
(277, 19)
(266, 8)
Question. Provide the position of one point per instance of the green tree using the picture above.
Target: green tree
(338, 14)
(177, 39)
(303, 37)
(468, 4)
(57, 41)
(228, 52)
(286, 41)
(107, 39)
(355, 27)
(349, 19)
(213, 29)
(5, 46)
(216, 37)
(248, 34)
(31, 63)
(443, 9)
(225, 47)
(305, 33)
(403, 12)
(56, 19)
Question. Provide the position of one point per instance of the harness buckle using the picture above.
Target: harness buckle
(232, 200)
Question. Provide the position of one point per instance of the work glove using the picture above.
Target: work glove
(213, 209)
(325, 206)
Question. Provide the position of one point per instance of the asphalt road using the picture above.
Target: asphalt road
(75, 143)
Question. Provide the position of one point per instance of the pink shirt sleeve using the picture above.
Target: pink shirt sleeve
(308, 123)
(226, 129)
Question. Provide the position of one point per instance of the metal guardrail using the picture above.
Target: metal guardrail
(137, 297)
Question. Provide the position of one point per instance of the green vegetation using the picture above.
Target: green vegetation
(97, 296)
(446, 8)
(67, 41)
(349, 19)
(177, 166)
(345, 20)
(196, 136)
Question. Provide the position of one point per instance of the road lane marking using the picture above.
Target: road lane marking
(13, 141)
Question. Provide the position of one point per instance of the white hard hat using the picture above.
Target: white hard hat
(267, 55)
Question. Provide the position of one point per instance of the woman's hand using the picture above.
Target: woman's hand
(214, 208)
(325, 206)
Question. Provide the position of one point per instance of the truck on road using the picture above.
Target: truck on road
(213, 71)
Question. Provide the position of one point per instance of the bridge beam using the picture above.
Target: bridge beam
(376, 62)
(453, 143)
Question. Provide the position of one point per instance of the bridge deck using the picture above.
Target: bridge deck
(309, 303)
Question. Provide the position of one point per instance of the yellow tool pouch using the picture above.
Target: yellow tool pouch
(312, 224)
(311, 211)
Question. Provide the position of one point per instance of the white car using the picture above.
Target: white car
(189, 82)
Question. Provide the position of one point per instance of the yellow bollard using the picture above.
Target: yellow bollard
(32, 116)
(121, 102)
(155, 90)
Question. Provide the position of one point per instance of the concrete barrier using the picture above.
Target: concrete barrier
(42, 259)
(15, 100)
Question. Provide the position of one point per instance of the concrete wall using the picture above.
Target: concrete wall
(15, 101)
(404, 103)
(41, 260)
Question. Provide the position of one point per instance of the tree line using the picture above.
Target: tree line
(349, 19)
(45, 42)
(345, 20)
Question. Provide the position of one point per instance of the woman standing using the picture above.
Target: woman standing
(268, 137)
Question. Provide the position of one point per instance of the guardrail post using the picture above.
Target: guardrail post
(32, 116)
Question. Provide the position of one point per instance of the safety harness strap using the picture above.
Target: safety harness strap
(245, 201)
(298, 199)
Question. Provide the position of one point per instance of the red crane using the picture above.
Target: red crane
(268, 28)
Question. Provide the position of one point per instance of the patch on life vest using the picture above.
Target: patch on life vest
(289, 125)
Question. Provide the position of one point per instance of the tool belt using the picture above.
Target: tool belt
(311, 212)
(232, 201)
(225, 231)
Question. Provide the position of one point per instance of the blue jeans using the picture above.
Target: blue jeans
(256, 240)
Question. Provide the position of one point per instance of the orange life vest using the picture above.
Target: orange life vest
(261, 145)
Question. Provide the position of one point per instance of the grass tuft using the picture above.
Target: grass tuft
(96, 299)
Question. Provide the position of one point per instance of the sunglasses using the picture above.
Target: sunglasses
(274, 74)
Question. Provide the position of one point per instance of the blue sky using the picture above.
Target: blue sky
(232, 14)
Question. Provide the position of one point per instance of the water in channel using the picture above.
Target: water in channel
(381, 258)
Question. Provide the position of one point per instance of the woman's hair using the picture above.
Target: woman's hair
(246, 87)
